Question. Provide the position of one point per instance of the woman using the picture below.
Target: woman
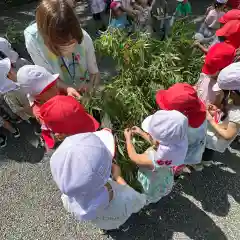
(57, 42)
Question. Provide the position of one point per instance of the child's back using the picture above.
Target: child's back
(120, 22)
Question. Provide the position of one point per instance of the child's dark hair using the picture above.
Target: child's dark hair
(217, 4)
(224, 104)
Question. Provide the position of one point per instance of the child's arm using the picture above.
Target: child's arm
(116, 174)
(201, 47)
(226, 133)
(139, 159)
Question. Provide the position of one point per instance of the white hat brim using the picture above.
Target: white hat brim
(107, 138)
(146, 124)
(13, 56)
(216, 88)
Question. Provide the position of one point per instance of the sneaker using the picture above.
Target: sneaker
(16, 121)
(5, 117)
(3, 141)
(17, 133)
(197, 167)
(207, 163)
(37, 130)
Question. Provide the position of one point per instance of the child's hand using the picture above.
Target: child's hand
(209, 117)
(128, 134)
(196, 43)
(136, 130)
(212, 109)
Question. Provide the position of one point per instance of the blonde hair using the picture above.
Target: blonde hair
(58, 24)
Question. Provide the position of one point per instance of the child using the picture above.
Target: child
(218, 57)
(13, 94)
(39, 85)
(13, 130)
(97, 8)
(183, 8)
(81, 168)
(144, 17)
(211, 23)
(119, 17)
(222, 132)
(6, 51)
(183, 97)
(65, 116)
(223, 33)
(167, 130)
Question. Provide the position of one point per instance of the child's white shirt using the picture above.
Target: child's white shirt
(212, 19)
(125, 202)
(97, 6)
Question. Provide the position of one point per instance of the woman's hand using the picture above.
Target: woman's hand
(73, 92)
(128, 134)
(116, 174)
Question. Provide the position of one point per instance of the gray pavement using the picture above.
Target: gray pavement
(203, 206)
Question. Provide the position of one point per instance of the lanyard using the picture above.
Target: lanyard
(67, 67)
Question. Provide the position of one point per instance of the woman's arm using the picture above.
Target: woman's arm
(226, 133)
(94, 75)
(139, 159)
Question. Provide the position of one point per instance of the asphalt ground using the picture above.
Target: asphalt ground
(203, 206)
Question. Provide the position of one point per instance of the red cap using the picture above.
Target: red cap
(64, 114)
(234, 3)
(115, 5)
(233, 14)
(218, 57)
(231, 31)
(183, 98)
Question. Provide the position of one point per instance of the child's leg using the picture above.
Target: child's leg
(3, 141)
(6, 109)
(7, 125)
(207, 155)
(100, 25)
(19, 104)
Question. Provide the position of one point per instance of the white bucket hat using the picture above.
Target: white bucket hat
(222, 1)
(81, 167)
(33, 79)
(170, 129)
(6, 48)
(228, 78)
(6, 85)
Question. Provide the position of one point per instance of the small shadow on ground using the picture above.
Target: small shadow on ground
(23, 149)
(172, 214)
(213, 185)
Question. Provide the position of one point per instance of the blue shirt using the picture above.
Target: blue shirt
(120, 22)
